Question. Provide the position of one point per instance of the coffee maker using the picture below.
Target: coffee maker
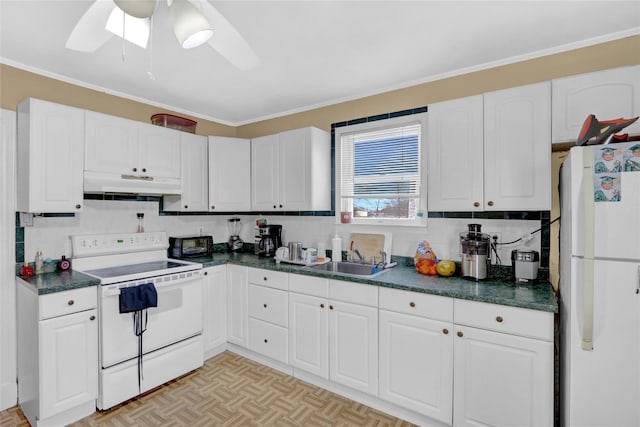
(270, 240)
(475, 251)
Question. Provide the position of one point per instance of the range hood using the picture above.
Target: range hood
(102, 182)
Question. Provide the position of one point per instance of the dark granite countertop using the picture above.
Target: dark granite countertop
(500, 290)
(49, 283)
(495, 291)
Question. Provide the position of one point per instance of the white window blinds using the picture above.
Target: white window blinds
(381, 163)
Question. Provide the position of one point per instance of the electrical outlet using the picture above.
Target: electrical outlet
(495, 234)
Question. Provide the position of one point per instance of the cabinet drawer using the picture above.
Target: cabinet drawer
(61, 303)
(268, 339)
(268, 304)
(308, 285)
(417, 304)
(353, 292)
(272, 279)
(512, 320)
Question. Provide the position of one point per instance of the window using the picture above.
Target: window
(379, 171)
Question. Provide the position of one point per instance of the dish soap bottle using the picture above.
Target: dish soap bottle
(39, 263)
(336, 248)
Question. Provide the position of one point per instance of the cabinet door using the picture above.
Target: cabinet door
(111, 144)
(68, 362)
(416, 364)
(237, 305)
(158, 151)
(517, 148)
(309, 334)
(50, 156)
(195, 179)
(501, 379)
(264, 173)
(295, 170)
(214, 332)
(455, 155)
(608, 94)
(229, 174)
(353, 346)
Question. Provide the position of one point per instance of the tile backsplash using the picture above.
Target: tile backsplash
(51, 234)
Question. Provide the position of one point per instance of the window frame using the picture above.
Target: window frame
(421, 208)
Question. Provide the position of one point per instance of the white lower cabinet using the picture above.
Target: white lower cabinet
(502, 378)
(237, 305)
(214, 332)
(416, 352)
(57, 355)
(353, 346)
(333, 331)
(268, 313)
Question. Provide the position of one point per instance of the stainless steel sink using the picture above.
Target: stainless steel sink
(349, 269)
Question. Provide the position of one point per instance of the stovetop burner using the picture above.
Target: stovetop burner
(125, 270)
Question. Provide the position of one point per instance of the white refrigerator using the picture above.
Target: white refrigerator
(599, 297)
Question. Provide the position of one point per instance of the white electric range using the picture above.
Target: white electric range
(172, 342)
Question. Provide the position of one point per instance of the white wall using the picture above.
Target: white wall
(51, 235)
(8, 389)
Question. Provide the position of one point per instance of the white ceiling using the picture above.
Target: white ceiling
(312, 53)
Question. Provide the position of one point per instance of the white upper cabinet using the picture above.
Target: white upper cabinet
(194, 177)
(229, 174)
(122, 146)
(291, 171)
(49, 157)
(608, 94)
(491, 152)
(455, 155)
(517, 148)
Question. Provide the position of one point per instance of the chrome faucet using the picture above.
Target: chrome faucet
(384, 258)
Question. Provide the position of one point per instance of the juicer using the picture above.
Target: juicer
(475, 251)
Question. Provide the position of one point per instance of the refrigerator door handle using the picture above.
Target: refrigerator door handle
(638, 281)
(589, 250)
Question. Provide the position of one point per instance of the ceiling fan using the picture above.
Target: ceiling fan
(194, 23)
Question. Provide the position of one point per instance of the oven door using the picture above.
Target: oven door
(177, 317)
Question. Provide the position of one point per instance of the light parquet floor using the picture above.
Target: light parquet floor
(230, 390)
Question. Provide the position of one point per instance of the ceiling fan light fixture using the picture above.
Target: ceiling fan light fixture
(136, 30)
(137, 8)
(189, 25)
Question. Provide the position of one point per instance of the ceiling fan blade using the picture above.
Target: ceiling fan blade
(89, 33)
(227, 40)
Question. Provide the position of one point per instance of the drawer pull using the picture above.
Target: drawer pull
(264, 278)
(321, 305)
(264, 305)
(266, 340)
(499, 319)
(460, 334)
(92, 318)
(71, 302)
(213, 207)
(476, 204)
(330, 307)
(445, 331)
(412, 304)
(206, 273)
(78, 206)
(186, 206)
(490, 203)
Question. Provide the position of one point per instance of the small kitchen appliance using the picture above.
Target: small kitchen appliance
(524, 266)
(475, 251)
(235, 243)
(188, 247)
(270, 240)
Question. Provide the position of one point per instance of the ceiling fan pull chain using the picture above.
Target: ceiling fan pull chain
(150, 72)
(124, 29)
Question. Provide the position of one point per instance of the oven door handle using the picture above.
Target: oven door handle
(110, 290)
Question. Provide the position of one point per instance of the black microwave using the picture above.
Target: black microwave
(186, 247)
